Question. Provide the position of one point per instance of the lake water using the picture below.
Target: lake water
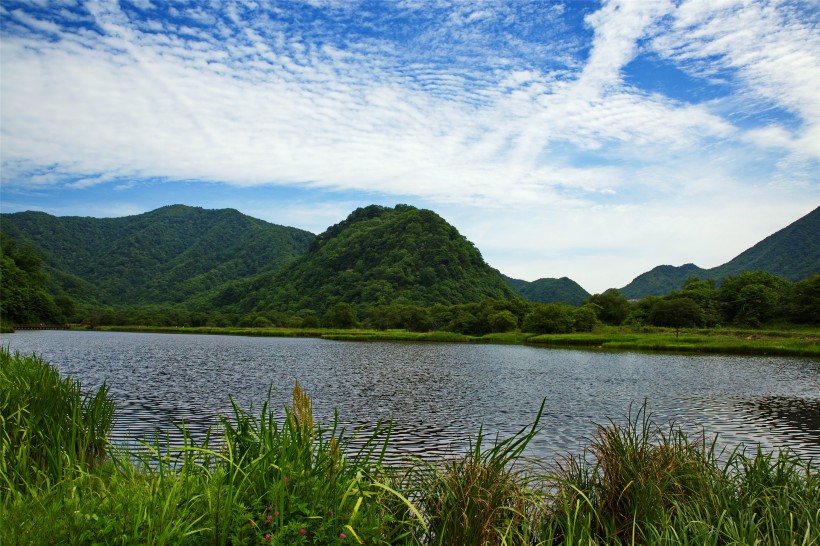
(439, 394)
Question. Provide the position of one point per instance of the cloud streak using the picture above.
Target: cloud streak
(506, 107)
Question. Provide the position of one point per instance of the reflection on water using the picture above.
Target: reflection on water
(438, 394)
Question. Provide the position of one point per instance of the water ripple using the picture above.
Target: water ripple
(437, 395)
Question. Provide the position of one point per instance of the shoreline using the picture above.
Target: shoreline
(728, 342)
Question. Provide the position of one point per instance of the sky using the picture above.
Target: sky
(589, 140)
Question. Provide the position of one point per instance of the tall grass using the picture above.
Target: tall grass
(483, 496)
(276, 476)
(50, 427)
(642, 483)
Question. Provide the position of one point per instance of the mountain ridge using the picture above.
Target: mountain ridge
(179, 254)
(792, 252)
(161, 256)
(549, 290)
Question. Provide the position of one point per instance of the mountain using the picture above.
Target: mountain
(563, 290)
(792, 253)
(378, 255)
(662, 280)
(163, 256)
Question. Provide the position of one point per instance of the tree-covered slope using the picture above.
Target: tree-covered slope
(163, 256)
(24, 297)
(378, 255)
(563, 290)
(662, 280)
(792, 253)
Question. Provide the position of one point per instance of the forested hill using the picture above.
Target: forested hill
(792, 253)
(563, 290)
(163, 256)
(378, 255)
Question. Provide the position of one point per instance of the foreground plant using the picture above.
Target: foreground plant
(50, 427)
(643, 483)
(481, 497)
(300, 482)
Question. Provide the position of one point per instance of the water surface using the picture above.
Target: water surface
(439, 394)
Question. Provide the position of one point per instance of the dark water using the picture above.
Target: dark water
(439, 394)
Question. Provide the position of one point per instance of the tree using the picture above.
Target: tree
(549, 318)
(614, 307)
(639, 315)
(753, 297)
(340, 315)
(805, 301)
(585, 319)
(703, 293)
(676, 313)
(502, 321)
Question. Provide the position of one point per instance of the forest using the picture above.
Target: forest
(381, 268)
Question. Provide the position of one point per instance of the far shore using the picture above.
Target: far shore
(794, 342)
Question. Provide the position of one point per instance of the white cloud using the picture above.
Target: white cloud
(250, 99)
(773, 48)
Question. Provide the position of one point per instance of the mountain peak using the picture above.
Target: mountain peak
(382, 255)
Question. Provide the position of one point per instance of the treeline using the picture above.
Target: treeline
(477, 319)
(751, 299)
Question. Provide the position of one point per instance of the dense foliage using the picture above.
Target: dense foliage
(751, 299)
(563, 290)
(381, 268)
(23, 294)
(792, 253)
(164, 256)
(377, 256)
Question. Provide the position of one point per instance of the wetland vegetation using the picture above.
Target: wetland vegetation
(277, 476)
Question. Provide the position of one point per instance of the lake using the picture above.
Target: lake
(438, 394)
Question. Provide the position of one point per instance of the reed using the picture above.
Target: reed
(481, 497)
(50, 427)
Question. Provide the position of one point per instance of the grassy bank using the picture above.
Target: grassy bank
(805, 342)
(278, 477)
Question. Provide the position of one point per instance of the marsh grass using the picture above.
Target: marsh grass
(642, 483)
(632, 475)
(795, 342)
(50, 428)
(480, 497)
(279, 477)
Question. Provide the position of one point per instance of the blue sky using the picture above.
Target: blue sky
(593, 140)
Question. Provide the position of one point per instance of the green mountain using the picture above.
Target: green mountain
(792, 253)
(378, 255)
(164, 256)
(563, 290)
(662, 280)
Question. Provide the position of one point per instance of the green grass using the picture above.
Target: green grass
(50, 427)
(276, 476)
(799, 342)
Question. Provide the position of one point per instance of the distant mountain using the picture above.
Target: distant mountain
(378, 255)
(792, 253)
(662, 280)
(163, 256)
(563, 290)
